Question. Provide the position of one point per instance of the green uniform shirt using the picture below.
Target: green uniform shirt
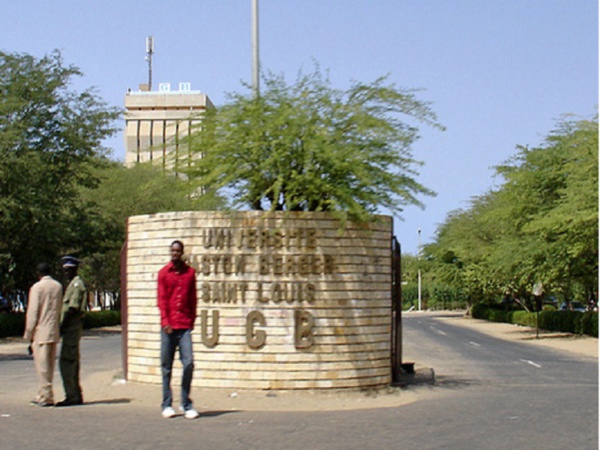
(74, 298)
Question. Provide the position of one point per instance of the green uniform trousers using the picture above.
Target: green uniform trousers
(69, 362)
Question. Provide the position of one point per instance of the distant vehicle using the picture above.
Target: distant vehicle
(573, 306)
(552, 301)
(5, 305)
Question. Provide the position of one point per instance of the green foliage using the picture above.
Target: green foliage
(310, 147)
(563, 321)
(446, 297)
(436, 294)
(493, 312)
(496, 315)
(479, 311)
(410, 295)
(433, 297)
(59, 193)
(98, 319)
(540, 225)
(141, 189)
(528, 319)
(50, 141)
(587, 323)
(123, 192)
(14, 324)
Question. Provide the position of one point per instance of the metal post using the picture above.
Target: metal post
(419, 265)
(538, 292)
(124, 306)
(255, 61)
(397, 310)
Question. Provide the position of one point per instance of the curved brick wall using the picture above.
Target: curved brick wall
(297, 303)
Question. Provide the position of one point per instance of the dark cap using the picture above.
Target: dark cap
(69, 261)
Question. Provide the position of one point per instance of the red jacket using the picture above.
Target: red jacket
(177, 297)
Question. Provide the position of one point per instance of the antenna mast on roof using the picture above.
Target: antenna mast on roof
(255, 60)
(149, 52)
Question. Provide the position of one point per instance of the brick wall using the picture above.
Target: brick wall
(299, 303)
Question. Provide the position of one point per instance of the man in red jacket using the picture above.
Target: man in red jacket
(177, 302)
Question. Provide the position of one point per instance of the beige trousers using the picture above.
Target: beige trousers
(44, 356)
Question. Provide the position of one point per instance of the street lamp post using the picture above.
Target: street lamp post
(419, 266)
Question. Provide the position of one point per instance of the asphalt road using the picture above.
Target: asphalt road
(488, 394)
(502, 394)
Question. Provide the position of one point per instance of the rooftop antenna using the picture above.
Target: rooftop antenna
(255, 61)
(149, 52)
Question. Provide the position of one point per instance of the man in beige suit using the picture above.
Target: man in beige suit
(42, 330)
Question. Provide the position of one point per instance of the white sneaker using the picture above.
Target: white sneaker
(168, 412)
(191, 414)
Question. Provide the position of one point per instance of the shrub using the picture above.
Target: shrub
(479, 311)
(445, 297)
(525, 318)
(410, 295)
(564, 321)
(587, 324)
(97, 319)
(495, 315)
(559, 321)
(14, 324)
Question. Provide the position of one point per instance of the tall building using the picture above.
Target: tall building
(157, 122)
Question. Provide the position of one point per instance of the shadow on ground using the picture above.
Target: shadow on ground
(112, 401)
(95, 332)
(427, 377)
(216, 413)
(15, 357)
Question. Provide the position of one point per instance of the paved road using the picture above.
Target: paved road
(503, 394)
(489, 394)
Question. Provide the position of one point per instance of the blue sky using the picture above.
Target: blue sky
(499, 73)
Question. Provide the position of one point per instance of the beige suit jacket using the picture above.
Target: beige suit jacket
(43, 311)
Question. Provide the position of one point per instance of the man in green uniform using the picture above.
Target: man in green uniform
(71, 329)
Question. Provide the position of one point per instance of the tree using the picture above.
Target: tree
(142, 189)
(50, 139)
(558, 187)
(122, 192)
(310, 147)
(541, 225)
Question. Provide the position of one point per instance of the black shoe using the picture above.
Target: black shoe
(41, 404)
(68, 402)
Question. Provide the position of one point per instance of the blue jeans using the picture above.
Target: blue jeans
(168, 345)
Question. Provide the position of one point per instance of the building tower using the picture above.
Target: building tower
(157, 122)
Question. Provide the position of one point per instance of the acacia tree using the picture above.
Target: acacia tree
(554, 191)
(310, 147)
(541, 225)
(50, 138)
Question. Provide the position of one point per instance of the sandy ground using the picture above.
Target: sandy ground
(109, 387)
(583, 345)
